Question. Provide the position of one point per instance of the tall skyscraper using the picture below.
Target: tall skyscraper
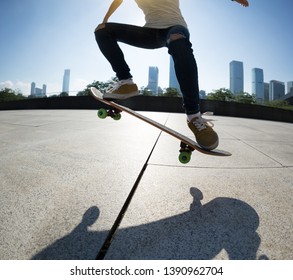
(277, 90)
(258, 84)
(236, 77)
(66, 79)
(202, 94)
(39, 92)
(173, 82)
(153, 84)
(44, 91)
(290, 87)
(33, 88)
(266, 91)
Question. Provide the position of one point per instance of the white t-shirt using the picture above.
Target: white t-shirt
(161, 13)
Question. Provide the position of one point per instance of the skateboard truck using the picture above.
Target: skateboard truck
(115, 114)
(185, 153)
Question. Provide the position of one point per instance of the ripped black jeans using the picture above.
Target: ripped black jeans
(152, 38)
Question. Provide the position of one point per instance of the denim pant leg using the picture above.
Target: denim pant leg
(185, 68)
(150, 38)
(108, 38)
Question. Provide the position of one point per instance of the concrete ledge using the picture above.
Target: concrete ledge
(156, 104)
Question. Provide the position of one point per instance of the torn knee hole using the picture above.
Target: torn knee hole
(176, 36)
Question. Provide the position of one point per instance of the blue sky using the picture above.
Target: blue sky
(41, 38)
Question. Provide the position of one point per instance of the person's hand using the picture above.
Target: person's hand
(100, 26)
(113, 7)
(242, 2)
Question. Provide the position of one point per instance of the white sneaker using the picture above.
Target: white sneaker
(121, 90)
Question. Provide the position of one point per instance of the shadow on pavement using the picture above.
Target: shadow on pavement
(201, 233)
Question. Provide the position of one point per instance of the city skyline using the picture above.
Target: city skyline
(263, 91)
(69, 42)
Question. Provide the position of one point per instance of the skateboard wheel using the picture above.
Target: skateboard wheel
(102, 113)
(184, 157)
(117, 117)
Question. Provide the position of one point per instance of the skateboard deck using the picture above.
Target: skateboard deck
(187, 145)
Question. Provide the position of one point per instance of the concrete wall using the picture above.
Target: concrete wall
(156, 104)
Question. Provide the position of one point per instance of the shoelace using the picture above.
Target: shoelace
(114, 86)
(202, 123)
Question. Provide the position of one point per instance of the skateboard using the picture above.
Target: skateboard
(187, 146)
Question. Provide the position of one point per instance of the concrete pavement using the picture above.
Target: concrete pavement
(65, 176)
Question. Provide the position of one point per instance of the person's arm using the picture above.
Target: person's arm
(113, 7)
(242, 2)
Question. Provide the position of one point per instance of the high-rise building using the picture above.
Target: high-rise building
(277, 90)
(173, 82)
(38, 92)
(258, 84)
(289, 86)
(236, 77)
(202, 94)
(266, 91)
(44, 90)
(66, 79)
(33, 88)
(153, 79)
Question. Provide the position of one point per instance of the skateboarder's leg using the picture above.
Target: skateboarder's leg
(108, 38)
(185, 65)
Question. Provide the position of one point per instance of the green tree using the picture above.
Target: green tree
(146, 91)
(8, 94)
(279, 104)
(63, 94)
(244, 97)
(171, 92)
(221, 94)
(102, 86)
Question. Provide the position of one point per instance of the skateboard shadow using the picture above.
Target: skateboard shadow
(200, 233)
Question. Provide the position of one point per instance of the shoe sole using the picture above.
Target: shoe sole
(119, 96)
(210, 148)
